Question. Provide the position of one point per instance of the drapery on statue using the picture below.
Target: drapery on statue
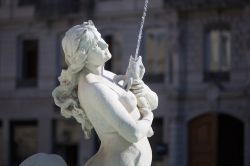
(98, 99)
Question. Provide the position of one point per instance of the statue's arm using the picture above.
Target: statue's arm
(114, 113)
(151, 97)
(140, 89)
(132, 80)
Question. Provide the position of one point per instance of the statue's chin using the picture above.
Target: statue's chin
(108, 57)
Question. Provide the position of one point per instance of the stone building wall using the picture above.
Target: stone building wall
(194, 95)
(183, 95)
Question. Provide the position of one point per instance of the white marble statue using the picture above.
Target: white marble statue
(119, 108)
(42, 159)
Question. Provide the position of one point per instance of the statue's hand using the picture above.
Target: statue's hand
(143, 105)
(135, 68)
(126, 82)
(135, 71)
(145, 112)
(137, 88)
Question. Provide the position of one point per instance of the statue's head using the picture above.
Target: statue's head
(80, 42)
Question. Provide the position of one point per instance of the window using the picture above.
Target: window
(23, 140)
(28, 63)
(159, 148)
(155, 52)
(26, 2)
(66, 136)
(217, 55)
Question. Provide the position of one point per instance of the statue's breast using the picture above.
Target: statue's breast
(128, 100)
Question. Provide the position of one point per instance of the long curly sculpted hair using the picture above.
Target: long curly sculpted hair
(76, 43)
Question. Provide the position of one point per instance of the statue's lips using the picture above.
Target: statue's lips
(107, 55)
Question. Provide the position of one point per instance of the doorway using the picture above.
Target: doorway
(215, 140)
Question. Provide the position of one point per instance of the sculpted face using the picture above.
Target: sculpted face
(99, 53)
(83, 44)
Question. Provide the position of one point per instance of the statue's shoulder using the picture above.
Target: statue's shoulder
(88, 89)
(90, 78)
(109, 74)
(90, 83)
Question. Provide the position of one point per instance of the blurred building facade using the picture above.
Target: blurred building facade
(197, 59)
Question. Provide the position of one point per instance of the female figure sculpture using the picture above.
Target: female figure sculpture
(95, 98)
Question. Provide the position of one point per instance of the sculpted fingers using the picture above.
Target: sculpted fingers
(126, 81)
(137, 87)
(135, 68)
(138, 92)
